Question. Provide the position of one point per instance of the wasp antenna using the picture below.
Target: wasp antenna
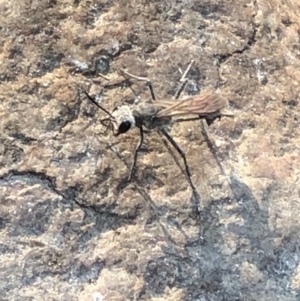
(95, 103)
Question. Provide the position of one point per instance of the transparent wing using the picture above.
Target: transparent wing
(204, 104)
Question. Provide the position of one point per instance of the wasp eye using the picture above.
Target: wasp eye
(124, 127)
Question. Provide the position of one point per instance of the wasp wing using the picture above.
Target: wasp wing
(204, 104)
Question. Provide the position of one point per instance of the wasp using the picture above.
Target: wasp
(160, 114)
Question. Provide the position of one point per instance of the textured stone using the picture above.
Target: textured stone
(70, 229)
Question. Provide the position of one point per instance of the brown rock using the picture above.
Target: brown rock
(71, 229)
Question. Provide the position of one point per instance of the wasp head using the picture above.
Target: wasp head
(123, 120)
(119, 121)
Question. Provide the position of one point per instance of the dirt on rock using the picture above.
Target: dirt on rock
(72, 229)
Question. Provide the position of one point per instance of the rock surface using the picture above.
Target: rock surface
(71, 229)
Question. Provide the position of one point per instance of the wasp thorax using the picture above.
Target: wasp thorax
(124, 119)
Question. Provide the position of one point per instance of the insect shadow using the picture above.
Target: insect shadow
(159, 114)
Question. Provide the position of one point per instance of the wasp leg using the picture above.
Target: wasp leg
(183, 81)
(187, 169)
(179, 150)
(149, 84)
(140, 78)
(136, 154)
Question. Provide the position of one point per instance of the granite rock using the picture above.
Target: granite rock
(71, 229)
